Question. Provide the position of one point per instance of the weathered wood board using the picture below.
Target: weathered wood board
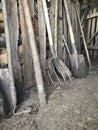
(13, 22)
(42, 38)
(92, 30)
(28, 73)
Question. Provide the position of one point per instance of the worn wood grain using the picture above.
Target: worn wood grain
(13, 22)
(65, 32)
(56, 27)
(90, 16)
(52, 15)
(89, 23)
(42, 38)
(60, 28)
(27, 58)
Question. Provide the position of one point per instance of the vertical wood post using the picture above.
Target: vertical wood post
(42, 38)
(28, 72)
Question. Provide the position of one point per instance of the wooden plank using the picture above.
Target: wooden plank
(93, 26)
(89, 30)
(35, 57)
(96, 39)
(13, 23)
(12, 98)
(75, 24)
(90, 16)
(93, 47)
(78, 30)
(94, 36)
(89, 27)
(28, 72)
(56, 27)
(73, 19)
(31, 6)
(65, 26)
(52, 14)
(70, 13)
(60, 28)
(42, 38)
(66, 31)
(93, 30)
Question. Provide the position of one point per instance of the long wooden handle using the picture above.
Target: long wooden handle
(70, 27)
(37, 68)
(65, 42)
(84, 41)
(56, 26)
(48, 26)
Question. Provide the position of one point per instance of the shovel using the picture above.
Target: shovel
(84, 40)
(81, 73)
(62, 69)
(78, 64)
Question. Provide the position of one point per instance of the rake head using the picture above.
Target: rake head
(56, 69)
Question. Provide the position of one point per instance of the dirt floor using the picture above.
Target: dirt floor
(71, 107)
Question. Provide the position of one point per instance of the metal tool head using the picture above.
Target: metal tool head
(81, 72)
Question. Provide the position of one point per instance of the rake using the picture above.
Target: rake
(57, 64)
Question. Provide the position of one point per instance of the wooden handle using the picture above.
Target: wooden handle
(37, 68)
(48, 26)
(84, 41)
(65, 42)
(70, 28)
(56, 26)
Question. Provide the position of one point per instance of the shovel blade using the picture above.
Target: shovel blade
(81, 72)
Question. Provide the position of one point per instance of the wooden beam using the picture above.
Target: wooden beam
(13, 23)
(35, 57)
(93, 15)
(93, 47)
(94, 36)
(42, 38)
(28, 74)
(60, 28)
